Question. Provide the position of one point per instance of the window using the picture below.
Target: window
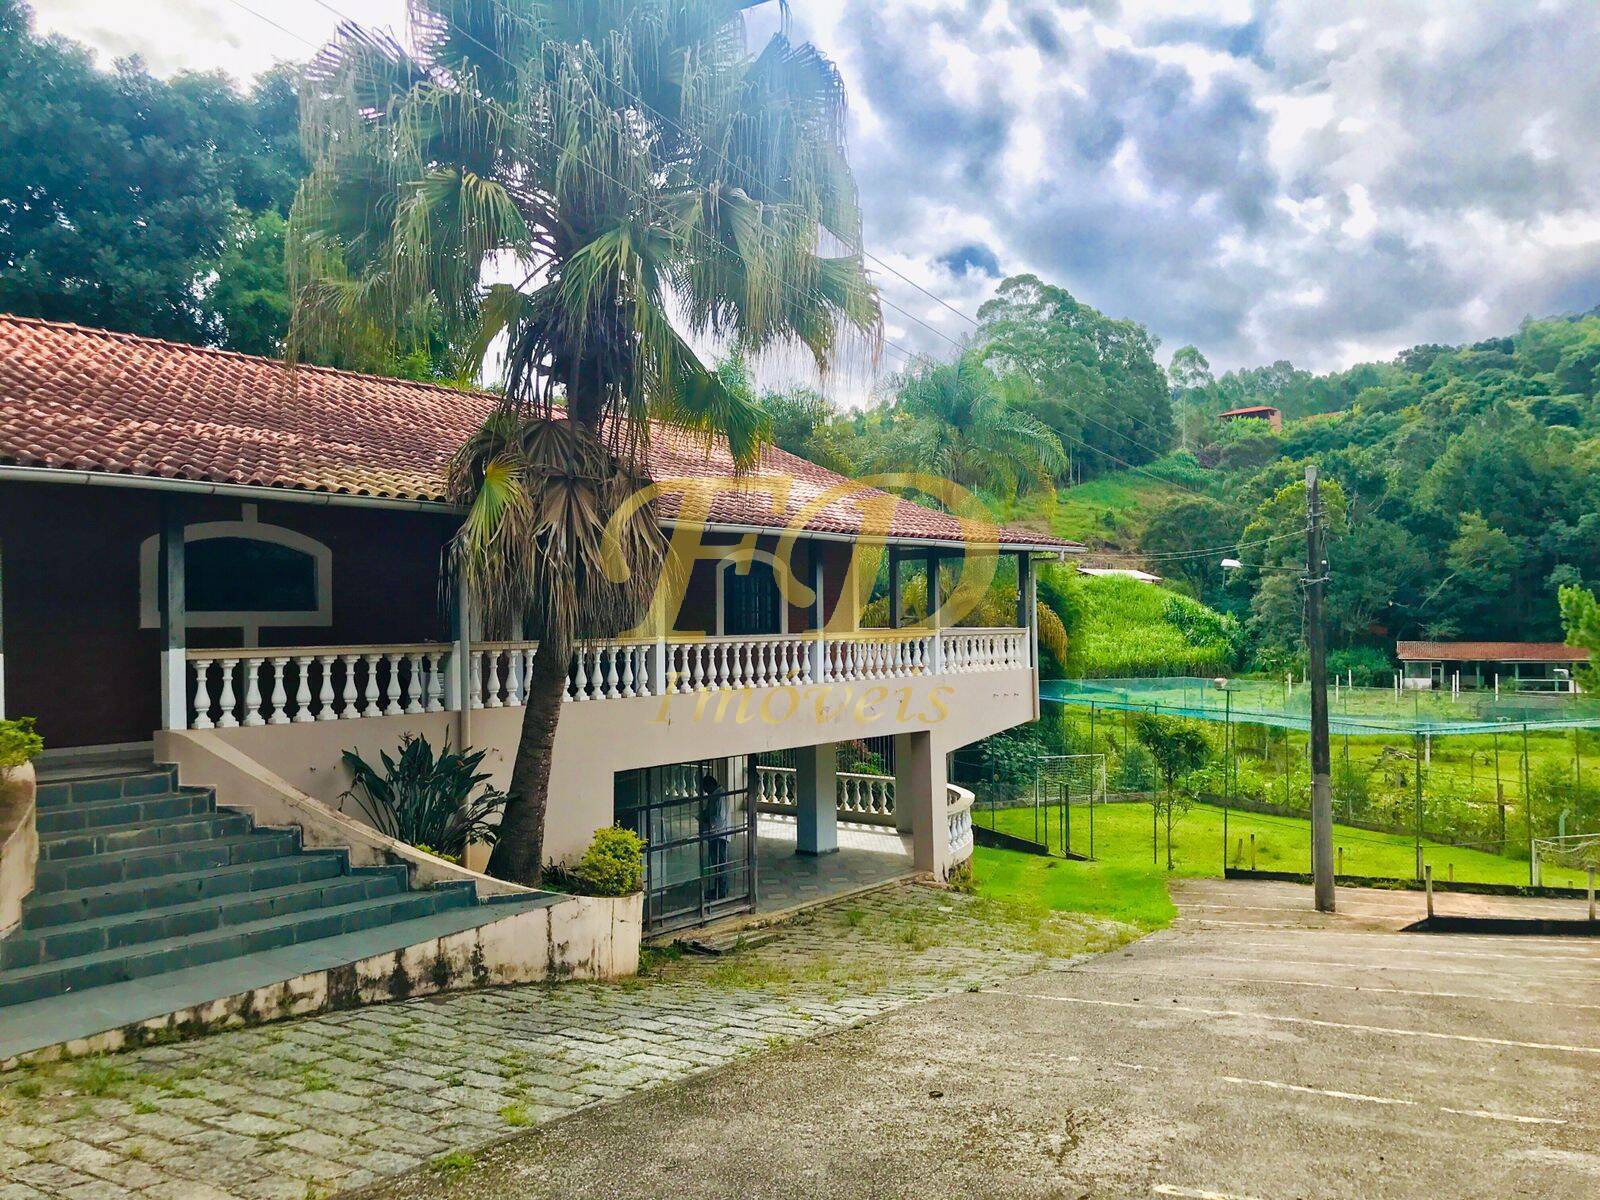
(245, 575)
(749, 599)
(239, 574)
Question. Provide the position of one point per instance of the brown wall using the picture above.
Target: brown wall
(75, 656)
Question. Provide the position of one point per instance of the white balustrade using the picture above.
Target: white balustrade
(958, 811)
(303, 684)
(868, 799)
(233, 688)
(969, 650)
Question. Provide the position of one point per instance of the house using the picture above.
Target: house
(215, 562)
(1255, 412)
(1524, 666)
(1121, 573)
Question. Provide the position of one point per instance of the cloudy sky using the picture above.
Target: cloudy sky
(1321, 180)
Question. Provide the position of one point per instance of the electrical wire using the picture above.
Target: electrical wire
(910, 357)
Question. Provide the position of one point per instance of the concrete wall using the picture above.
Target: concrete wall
(576, 937)
(205, 759)
(598, 738)
(19, 843)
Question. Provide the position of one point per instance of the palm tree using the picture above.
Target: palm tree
(960, 421)
(623, 169)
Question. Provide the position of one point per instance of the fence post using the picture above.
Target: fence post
(1416, 739)
(1527, 802)
(1427, 885)
(1591, 893)
(1252, 852)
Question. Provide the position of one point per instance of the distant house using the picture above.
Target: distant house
(1122, 573)
(1529, 666)
(1255, 412)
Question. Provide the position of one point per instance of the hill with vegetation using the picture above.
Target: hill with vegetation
(1127, 627)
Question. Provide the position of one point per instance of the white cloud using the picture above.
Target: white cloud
(1265, 178)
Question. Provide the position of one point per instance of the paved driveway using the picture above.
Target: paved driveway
(298, 1110)
(1252, 1051)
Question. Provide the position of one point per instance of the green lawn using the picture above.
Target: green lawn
(1124, 883)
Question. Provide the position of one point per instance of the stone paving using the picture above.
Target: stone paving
(303, 1109)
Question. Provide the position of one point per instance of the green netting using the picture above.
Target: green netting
(1352, 710)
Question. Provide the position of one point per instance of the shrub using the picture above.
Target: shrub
(1136, 770)
(613, 865)
(440, 804)
(1008, 762)
(1363, 665)
(18, 744)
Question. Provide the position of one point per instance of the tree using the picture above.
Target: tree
(1580, 616)
(1096, 381)
(620, 161)
(961, 422)
(124, 193)
(1189, 525)
(1179, 749)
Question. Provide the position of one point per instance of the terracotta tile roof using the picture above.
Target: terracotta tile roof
(1533, 652)
(90, 400)
(1248, 410)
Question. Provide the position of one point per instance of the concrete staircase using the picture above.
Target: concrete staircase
(140, 878)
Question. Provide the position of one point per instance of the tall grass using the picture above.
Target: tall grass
(1131, 628)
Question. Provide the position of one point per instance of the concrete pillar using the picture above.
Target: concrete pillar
(894, 588)
(816, 787)
(174, 616)
(921, 801)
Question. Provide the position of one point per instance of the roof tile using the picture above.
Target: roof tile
(93, 400)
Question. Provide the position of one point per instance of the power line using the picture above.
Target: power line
(751, 179)
(909, 357)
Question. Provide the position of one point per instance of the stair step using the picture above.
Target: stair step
(171, 954)
(124, 810)
(100, 870)
(86, 789)
(117, 839)
(164, 891)
(56, 943)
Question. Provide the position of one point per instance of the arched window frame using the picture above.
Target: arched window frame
(251, 622)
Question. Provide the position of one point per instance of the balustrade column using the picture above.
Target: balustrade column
(252, 692)
(325, 710)
(302, 690)
(202, 696)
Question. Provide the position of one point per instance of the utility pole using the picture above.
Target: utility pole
(1317, 677)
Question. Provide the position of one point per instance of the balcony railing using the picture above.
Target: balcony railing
(295, 685)
(958, 813)
(867, 799)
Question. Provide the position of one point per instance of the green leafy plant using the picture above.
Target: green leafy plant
(18, 744)
(613, 865)
(439, 803)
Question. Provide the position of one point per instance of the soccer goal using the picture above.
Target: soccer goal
(1576, 852)
(1069, 787)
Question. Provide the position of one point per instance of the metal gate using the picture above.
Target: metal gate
(698, 825)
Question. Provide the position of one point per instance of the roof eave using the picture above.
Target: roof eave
(242, 491)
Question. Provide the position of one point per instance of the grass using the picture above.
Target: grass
(516, 1115)
(1123, 883)
(1107, 511)
(1131, 628)
(453, 1165)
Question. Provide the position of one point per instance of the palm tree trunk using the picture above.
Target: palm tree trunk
(519, 851)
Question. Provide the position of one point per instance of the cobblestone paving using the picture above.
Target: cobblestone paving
(304, 1109)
